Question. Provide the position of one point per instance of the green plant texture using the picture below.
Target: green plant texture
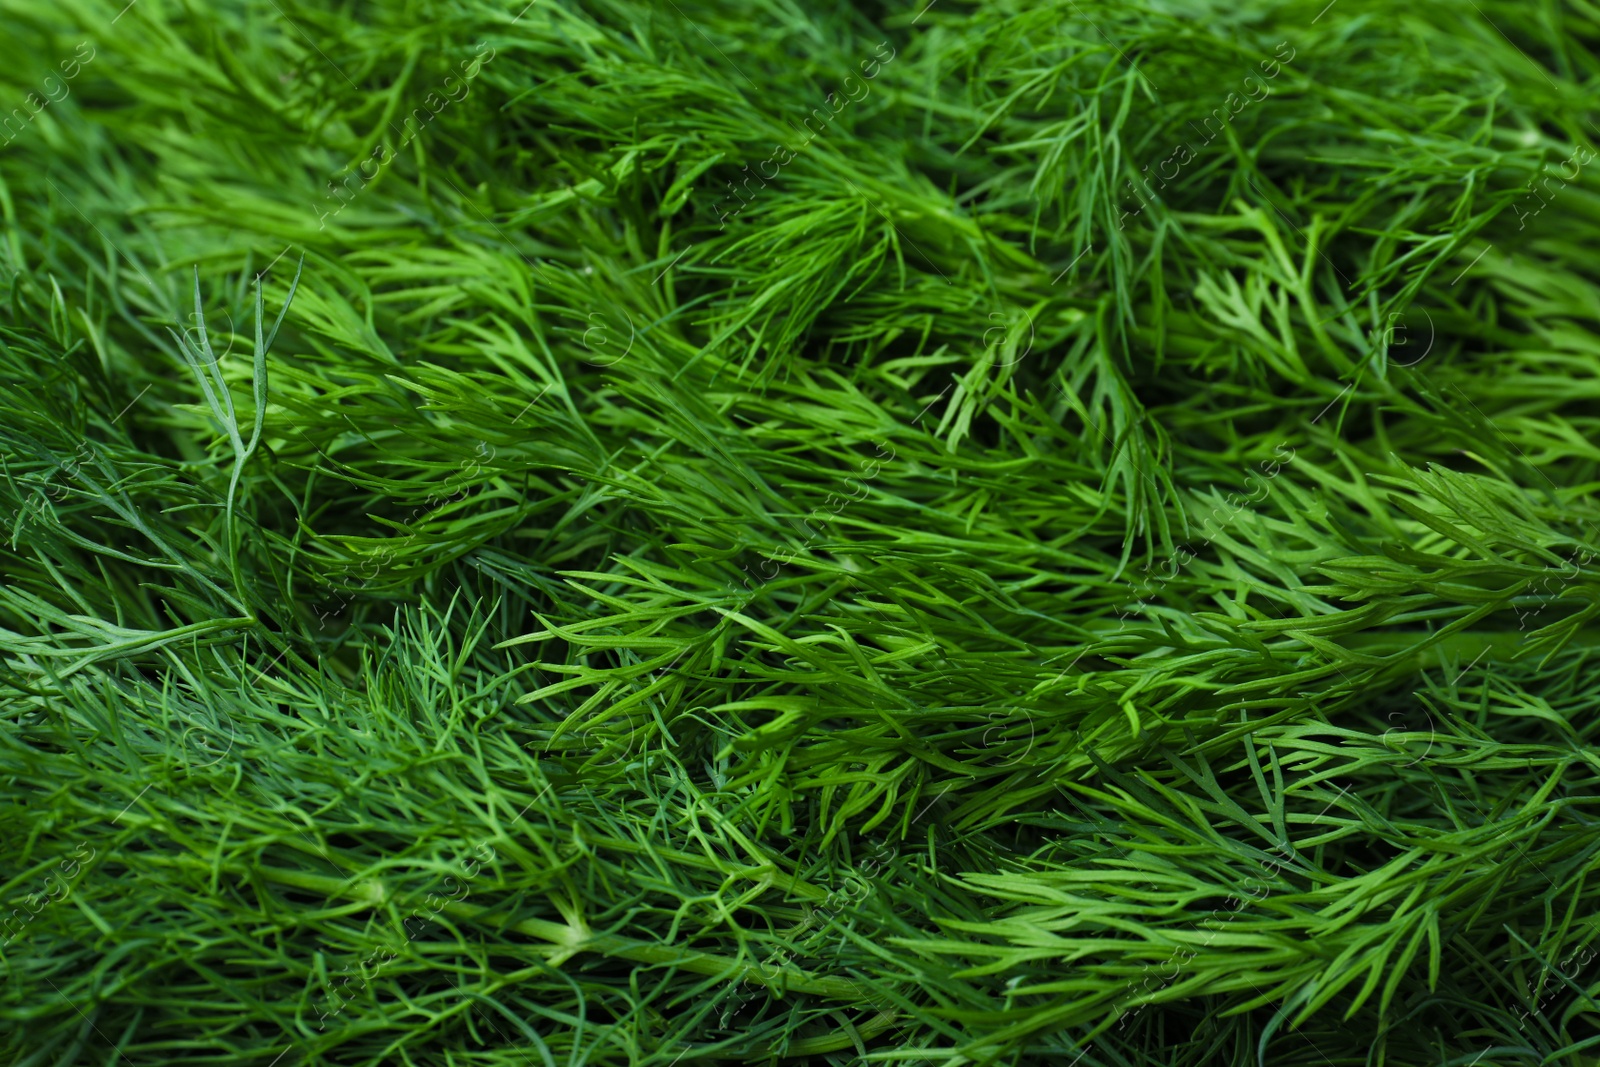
(622, 532)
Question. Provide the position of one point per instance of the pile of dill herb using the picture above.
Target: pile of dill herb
(958, 532)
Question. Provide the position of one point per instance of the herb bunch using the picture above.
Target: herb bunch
(976, 533)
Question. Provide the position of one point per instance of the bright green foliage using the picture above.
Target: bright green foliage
(1085, 554)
